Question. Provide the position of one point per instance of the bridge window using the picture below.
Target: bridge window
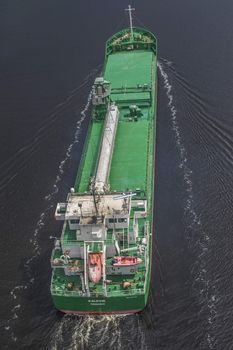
(74, 222)
(121, 220)
(111, 221)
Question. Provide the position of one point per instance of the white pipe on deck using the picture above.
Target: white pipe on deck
(101, 179)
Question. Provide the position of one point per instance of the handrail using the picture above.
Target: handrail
(65, 242)
(97, 294)
(123, 39)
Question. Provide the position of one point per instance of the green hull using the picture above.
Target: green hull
(112, 305)
(130, 67)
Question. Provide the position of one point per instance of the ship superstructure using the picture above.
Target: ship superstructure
(102, 262)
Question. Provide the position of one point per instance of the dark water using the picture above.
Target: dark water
(50, 53)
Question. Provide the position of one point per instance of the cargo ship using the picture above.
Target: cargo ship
(102, 262)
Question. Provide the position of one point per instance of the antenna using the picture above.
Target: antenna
(130, 9)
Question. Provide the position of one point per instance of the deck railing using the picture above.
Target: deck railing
(65, 243)
(114, 293)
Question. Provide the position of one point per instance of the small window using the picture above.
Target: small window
(111, 221)
(74, 222)
(122, 220)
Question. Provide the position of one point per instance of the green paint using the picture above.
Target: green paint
(90, 157)
(130, 67)
(129, 162)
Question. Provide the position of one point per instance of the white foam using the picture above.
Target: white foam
(98, 332)
(10, 169)
(41, 222)
(201, 240)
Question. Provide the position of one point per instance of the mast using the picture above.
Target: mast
(130, 9)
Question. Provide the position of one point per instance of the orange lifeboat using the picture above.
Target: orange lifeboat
(95, 267)
(120, 261)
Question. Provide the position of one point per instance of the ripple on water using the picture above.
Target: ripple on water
(198, 239)
(16, 292)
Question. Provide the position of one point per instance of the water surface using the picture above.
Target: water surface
(51, 51)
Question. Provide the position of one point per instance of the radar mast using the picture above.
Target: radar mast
(130, 9)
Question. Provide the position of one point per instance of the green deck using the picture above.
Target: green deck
(128, 169)
(132, 74)
(128, 69)
(129, 161)
(82, 183)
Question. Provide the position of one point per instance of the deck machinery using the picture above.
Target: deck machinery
(102, 262)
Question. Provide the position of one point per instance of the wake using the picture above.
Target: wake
(16, 291)
(114, 332)
(195, 233)
(15, 164)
